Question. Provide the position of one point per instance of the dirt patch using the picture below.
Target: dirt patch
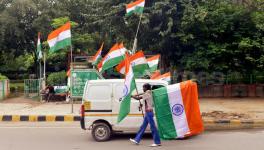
(22, 100)
(225, 115)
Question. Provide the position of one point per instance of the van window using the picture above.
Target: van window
(99, 93)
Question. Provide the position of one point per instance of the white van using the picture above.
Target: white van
(100, 107)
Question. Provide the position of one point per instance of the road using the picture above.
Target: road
(68, 136)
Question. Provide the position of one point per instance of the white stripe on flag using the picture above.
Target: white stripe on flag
(176, 102)
(153, 63)
(63, 35)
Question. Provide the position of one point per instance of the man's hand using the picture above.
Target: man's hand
(137, 97)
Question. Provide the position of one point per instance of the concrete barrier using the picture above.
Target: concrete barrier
(4, 89)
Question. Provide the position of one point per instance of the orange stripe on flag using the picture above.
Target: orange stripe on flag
(56, 32)
(154, 57)
(191, 105)
(134, 3)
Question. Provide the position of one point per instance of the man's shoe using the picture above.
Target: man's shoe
(155, 145)
(134, 141)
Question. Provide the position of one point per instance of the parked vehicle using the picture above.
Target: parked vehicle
(100, 107)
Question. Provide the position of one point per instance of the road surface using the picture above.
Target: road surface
(68, 136)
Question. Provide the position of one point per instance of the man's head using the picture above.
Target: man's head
(146, 87)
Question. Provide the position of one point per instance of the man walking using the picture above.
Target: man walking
(148, 118)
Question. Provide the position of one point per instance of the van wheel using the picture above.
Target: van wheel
(101, 132)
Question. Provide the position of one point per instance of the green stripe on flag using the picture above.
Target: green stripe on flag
(125, 104)
(138, 10)
(153, 68)
(140, 70)
(61, 44)
(112, 62)
(163, 114)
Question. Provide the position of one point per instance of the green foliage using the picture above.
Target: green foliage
(57, 78)
(202, 35)
(2, 77)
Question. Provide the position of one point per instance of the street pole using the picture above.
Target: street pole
(44, 69)
(71, 82)
(135, 40)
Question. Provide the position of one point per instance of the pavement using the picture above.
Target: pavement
(217, 113)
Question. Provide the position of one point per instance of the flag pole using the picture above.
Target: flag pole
(71, 82)
(44, 69)
(135, 40)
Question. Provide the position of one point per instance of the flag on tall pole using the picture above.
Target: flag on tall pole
(135, 7)
(39, 52)
(138, 62)
(177, 110)
(129, 86)
(60, 38)
(98, 56)
(112, 58)
(153, 62)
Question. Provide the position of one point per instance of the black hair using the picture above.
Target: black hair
(147, 86)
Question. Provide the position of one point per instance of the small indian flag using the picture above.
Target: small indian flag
(165, 77)
(39, 47)
(129, 86)
(98, 56)
(113, 57)
(60, 38)
(153, 62)
(177, 110)
(138, 62)
(135, 7)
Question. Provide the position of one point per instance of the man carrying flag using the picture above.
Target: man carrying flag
(148, 118)
(98, 56)
(130, 85)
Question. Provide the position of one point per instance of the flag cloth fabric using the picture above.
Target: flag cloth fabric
(112, 58)
(139, 64)
(98, 56)
(135, 7)
(155, 74)
(60, 38)
(177, 110)
(39, 52)
(165, 77)
(129, 86)
(153, 62)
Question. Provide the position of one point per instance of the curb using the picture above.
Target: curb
(222, 124)
(39, 118)
(225, 124)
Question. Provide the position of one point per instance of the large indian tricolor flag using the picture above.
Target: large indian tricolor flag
(60, 38)
(113, 57)
(129, 86)
(153, 62)
(138, 62)
(135, 7)
(177, 110)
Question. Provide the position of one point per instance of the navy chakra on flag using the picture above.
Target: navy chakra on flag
(177, 109)
(125, 91)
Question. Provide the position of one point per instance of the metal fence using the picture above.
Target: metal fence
(32, 88)
(4, 89)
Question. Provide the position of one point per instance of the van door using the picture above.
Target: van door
(133, 121)
(99, 97)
